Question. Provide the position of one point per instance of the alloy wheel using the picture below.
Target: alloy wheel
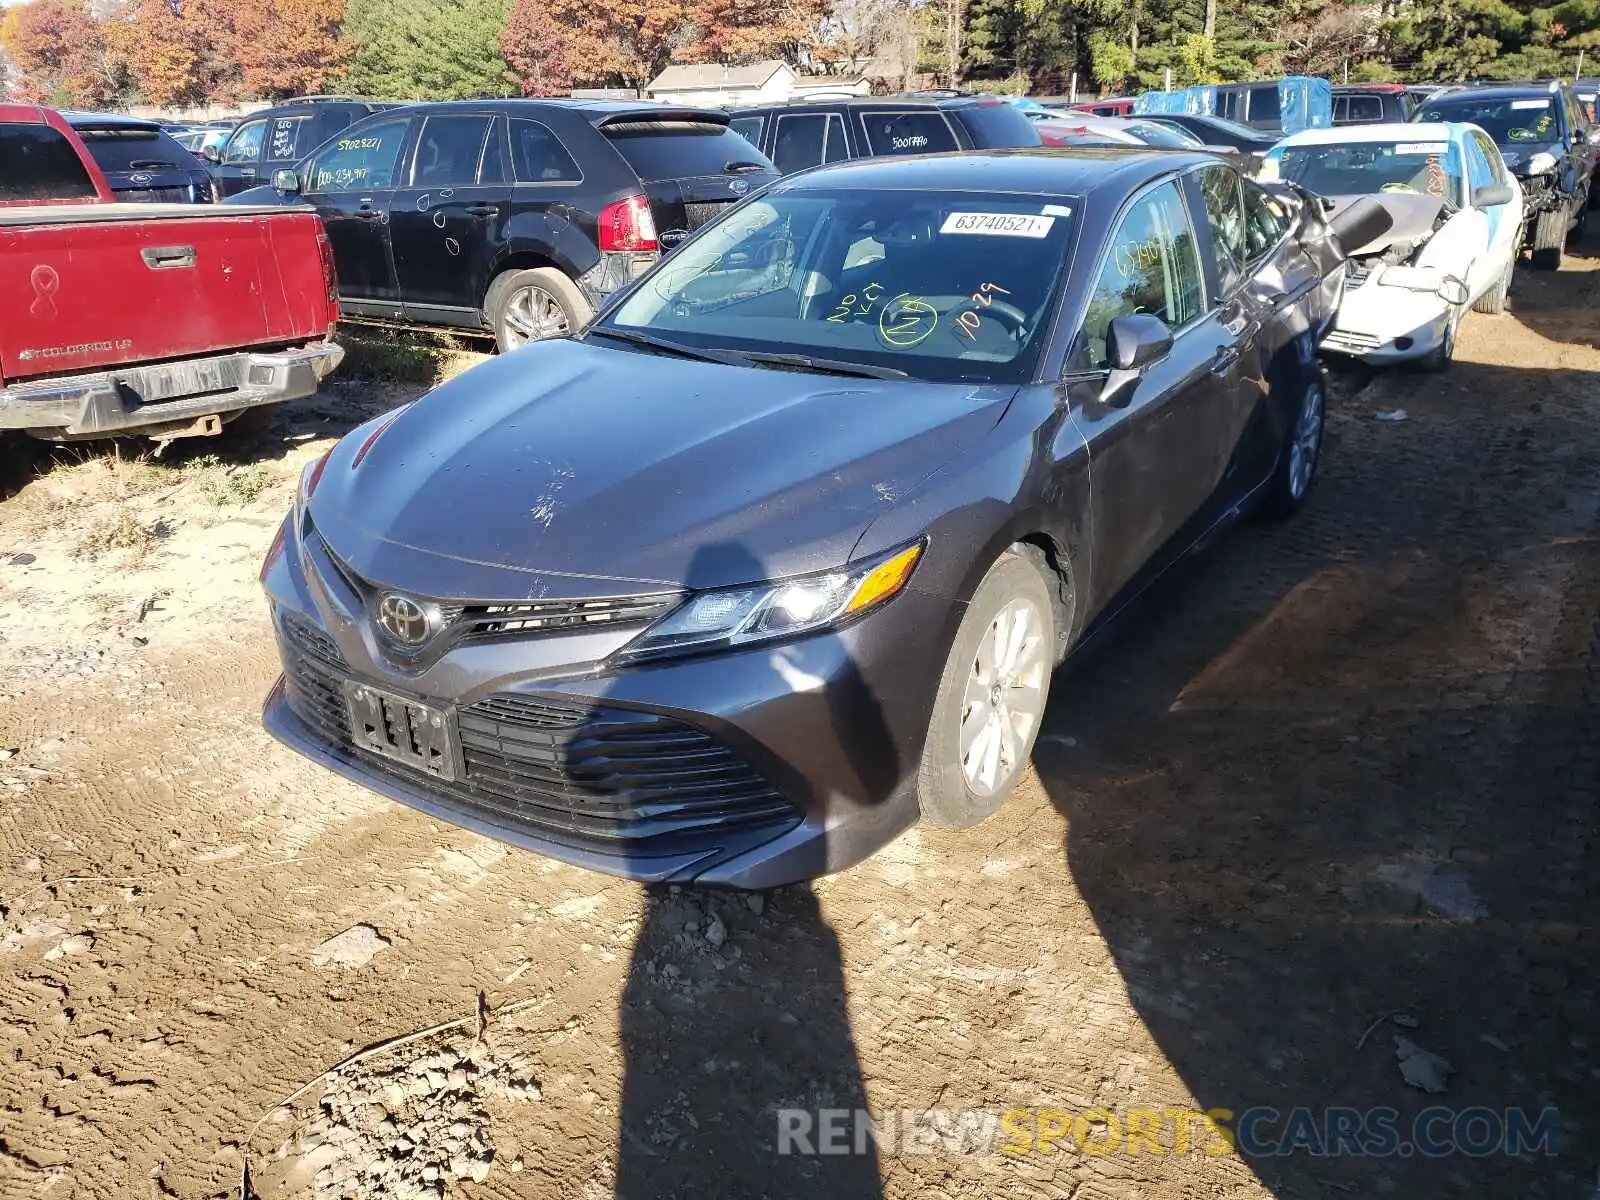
(1004, 697)
(533, 315)
(1306, 443)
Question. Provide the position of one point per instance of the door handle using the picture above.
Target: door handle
(368, 214)
(1225, 359)
(483, 210)
(159, 258)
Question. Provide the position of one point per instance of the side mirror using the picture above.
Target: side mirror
(1493, 195)
(212, 155)
(1357, 225)
(287, 182)
(1134, 343)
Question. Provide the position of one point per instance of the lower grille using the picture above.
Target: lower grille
(697, 214)
(592, 774)
(1341, 339)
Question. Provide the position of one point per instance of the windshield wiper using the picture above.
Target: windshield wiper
(730, 358)
(826, 366)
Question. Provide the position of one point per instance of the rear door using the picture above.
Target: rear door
(691, 170)
(1155, 461)
(802, 140)
(446, 218)
(240, 161)
(351, 182)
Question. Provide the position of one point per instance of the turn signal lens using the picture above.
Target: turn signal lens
(884, 580)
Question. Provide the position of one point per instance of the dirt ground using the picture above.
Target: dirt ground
(1336, 787)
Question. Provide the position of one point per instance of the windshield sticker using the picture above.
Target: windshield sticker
(857, 304)
(998, 224)
(1530, 103)
(1056, 210)
(1422, 148)
(907, 321)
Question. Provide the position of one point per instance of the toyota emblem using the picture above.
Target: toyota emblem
(140, 178)
(405, 620)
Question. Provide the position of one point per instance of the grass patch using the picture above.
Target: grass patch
(392, 356)
(223, 483)
(120, 530)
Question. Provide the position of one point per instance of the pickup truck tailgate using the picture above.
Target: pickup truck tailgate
(99, 286)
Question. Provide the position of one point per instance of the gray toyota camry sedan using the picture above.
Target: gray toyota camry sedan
(778, 556)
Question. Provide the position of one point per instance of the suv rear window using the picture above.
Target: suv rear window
(996, 125)
(924, 132)
(679, 149)
(39, 163)
(135, 150)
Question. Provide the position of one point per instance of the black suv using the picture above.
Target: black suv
(809, 132)
(1545, 139)
(279, 137)
(141, 161)
(1371, 104)
(513, 216)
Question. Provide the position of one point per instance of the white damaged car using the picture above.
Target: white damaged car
(1457, 225)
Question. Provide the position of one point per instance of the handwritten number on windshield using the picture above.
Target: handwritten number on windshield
(969, 321)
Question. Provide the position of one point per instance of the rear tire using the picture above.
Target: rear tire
(1494, 301)
(1549, 236)
(991, 695)
(534, 305)
(1302, 451)
(1581, 225)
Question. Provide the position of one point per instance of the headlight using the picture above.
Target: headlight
(761, 612)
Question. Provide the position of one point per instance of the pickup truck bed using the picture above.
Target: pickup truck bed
(163, 319)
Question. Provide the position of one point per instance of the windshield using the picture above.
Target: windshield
(1507, 120)
(945, 286)
(1162, 135)
(1363, 168)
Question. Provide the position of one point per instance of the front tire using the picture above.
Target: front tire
(1549, 238)
(534, 305)
(1301, 453)
(1441, 356)
(991, 695)
(1494, 301)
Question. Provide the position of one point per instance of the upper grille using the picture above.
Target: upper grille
(1343, 339)
(698, 213)
(592, 774)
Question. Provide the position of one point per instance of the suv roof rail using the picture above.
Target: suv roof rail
(825, 94)
(322, 98)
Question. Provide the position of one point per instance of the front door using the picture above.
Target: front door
(1154, 462)
(447, 215)
(351, 183)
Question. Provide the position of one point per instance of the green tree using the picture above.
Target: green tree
(429, 49)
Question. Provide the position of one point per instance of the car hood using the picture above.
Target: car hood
(1413, 218)
(568, 469)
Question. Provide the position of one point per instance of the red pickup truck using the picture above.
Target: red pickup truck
(166, 320)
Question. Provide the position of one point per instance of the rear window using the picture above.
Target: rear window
(290, 137)
(1357, 110)
(995, 126)
(924, 132)
(135, 150)
(680, 149)
(39, 163)
(749, 128)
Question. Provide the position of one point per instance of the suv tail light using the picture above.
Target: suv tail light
(627, 225)
(330, 277)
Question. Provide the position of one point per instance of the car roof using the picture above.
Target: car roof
(1502, 91)
(1388, 131)
(1077, 171)
(900, 100)
(596, 112)
(1340, 89)
(92, 120)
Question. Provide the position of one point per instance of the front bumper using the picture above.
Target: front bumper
(165, 396)
(749, 769)
(1381, 325)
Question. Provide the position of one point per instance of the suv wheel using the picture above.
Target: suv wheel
(1549, 235)
(991, 696)
(533, 305)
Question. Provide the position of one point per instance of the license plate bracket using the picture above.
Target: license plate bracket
(420, 736)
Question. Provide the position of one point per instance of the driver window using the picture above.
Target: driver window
(363, 157)
(245, 144)
(1478, 172)
(1491, 155)
(1266, 219)
(1151, 266)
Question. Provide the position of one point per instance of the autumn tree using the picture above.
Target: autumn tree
(624, 42)
(60, 53)
(735, 30)
(537, 49)
(289, 47)
(179, 51)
